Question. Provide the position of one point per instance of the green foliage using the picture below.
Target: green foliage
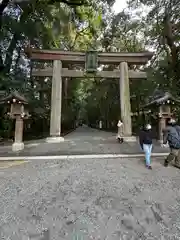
(81, 25)
(66, 25)
(162, 32)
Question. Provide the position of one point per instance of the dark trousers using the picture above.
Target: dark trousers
(174, 155)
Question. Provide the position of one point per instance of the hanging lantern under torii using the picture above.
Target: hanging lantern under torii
(91, 61)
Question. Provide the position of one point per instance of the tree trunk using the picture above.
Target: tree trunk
(42, 88)
(16, 37)
(18, 58)
(9, 55)
(1, 62)
(168, 34)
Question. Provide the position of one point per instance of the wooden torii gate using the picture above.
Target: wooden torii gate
(57, 73)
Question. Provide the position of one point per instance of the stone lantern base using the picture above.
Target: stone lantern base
(54, 139)
(17, 146)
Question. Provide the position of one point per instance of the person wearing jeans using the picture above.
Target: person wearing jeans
(147, 150)
(145, 140)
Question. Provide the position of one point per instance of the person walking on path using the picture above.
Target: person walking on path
(145, 140)
(171, 135)
(120, 131)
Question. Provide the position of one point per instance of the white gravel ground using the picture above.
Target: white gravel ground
(107, 199)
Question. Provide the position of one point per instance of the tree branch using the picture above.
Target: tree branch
(168, 35)
(70, 2)
(3, 5)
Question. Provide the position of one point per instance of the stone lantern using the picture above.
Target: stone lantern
(162, 104)
(17, 106)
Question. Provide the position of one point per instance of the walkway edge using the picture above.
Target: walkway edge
(88, 156)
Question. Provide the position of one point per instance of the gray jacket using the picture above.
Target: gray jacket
(170, 130)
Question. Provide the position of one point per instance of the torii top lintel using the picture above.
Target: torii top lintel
(140, 58)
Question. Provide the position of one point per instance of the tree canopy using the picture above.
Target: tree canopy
(78, 26)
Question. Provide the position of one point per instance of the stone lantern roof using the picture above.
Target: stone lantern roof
(159, 98)
(14, 96)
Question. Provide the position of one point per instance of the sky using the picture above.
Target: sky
(119, 5)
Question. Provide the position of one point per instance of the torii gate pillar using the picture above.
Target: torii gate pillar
(125, 104)
(56, 104)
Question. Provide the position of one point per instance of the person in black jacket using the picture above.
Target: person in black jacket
(145, 140)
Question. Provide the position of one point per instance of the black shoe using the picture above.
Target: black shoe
(149, 167)
(165, 164)
(120, 140)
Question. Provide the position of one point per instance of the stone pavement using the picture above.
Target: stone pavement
(8, 164)
(80, 142)
(88, 199)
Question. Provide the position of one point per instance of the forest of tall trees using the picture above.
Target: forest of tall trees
(77, 26)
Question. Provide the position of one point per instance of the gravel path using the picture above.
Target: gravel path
(81, 142)
(89, 199)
